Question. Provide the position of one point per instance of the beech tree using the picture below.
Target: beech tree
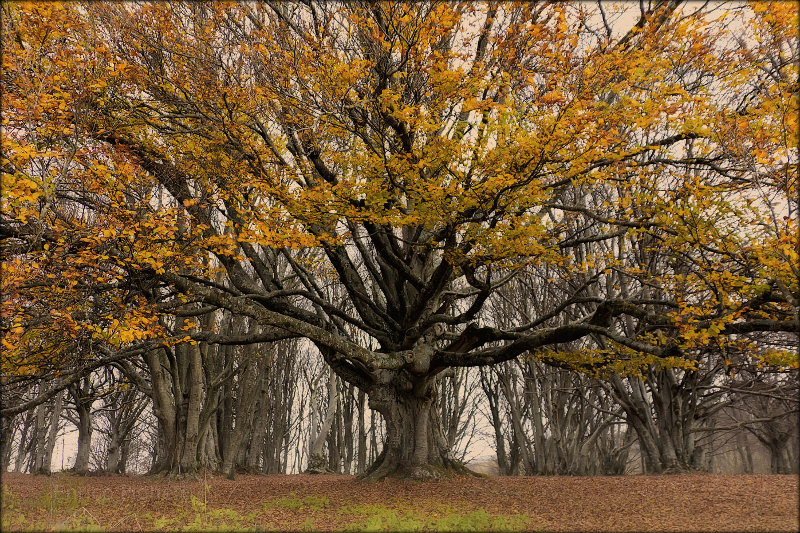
(367, 176)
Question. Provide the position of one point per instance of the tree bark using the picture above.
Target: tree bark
(84, 440)
(82, 397)
(361, 464)
(44, 452)
(6, 439)
(317, 464)
(492, 392)
(25, 438)
(249, 387)
(415, 446)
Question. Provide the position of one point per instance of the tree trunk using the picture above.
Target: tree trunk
(24, 440)
(256, 436)
(190, 436)
(776, 447)
(164, 410)
(44, 453)
(492, 392)
(178, 405)
(665, 438)
(362, 433)
(6, 439)
(122, 413)
(348, 440)
(114, 455)
(249, 387)
(84, 440)
(415, 447)
(317, 464)
(82, 397)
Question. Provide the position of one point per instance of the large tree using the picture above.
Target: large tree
(367, 176)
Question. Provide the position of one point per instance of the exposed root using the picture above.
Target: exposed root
(390, 468)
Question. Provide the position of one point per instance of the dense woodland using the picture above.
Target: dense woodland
(381, 238)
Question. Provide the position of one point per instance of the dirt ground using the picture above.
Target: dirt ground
(690, 502)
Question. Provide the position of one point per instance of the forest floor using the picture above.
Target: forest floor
(690, 502)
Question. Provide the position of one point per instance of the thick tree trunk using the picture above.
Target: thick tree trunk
(415, 447)
(178, 405)
(776, 447)
(164, 410)
(114, 456)
(84, 440)
(82, 396)
(190, 411)
(665, 437)
(249, 386)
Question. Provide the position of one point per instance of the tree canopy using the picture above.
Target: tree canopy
(370, 176)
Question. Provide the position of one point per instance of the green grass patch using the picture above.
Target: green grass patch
(380, 518)
(65, 506)
(11, 516)
(55, 509)
(200, 517)
(294, 503)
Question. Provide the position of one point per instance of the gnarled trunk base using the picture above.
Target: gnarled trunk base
(415, 446)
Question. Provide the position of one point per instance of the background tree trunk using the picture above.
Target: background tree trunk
(49, 433)
(320, 427)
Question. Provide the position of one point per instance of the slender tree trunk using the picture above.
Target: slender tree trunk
(348, 442)
(24, 440)
(316, 461)
(6, 441)
(127, 410)
(492, 392)
(362, 433)
(44, 454)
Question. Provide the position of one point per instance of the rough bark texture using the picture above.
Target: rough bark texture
(415, 447)
(317, 464)
(249, 386)
(45, 447)
(663, 415)
(83, 396)
(7, 429)
(84, 441)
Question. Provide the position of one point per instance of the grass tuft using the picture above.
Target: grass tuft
(293, 503)
(380, 518)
